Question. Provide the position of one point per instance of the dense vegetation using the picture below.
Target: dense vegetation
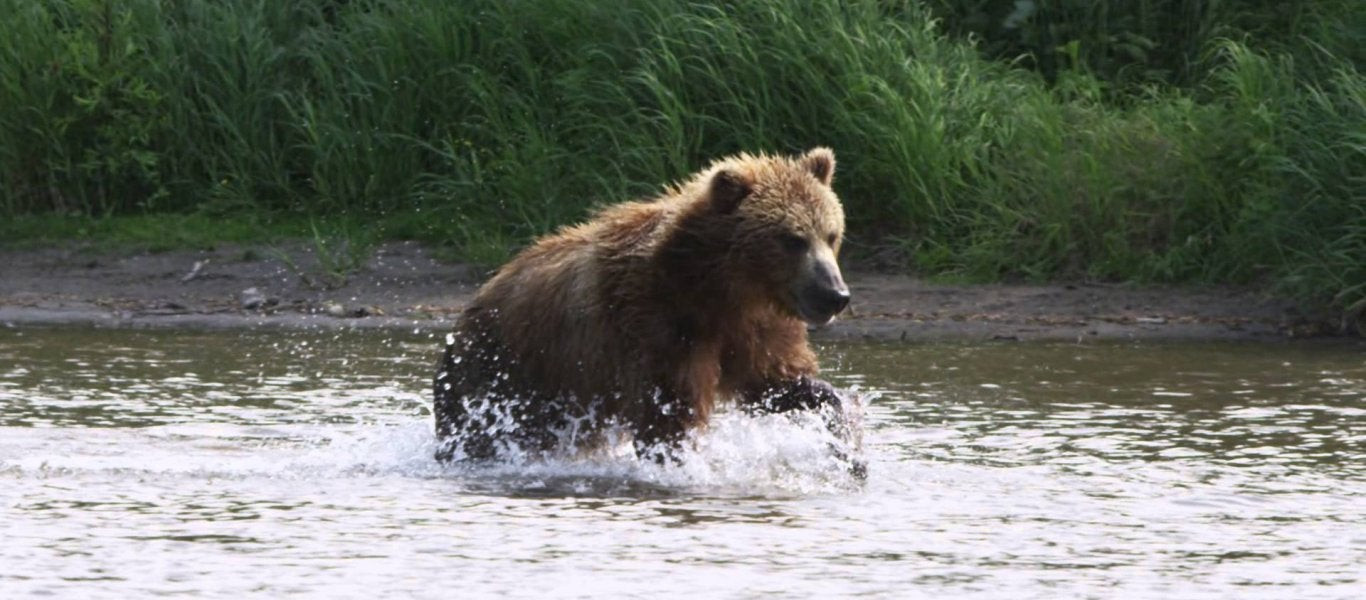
(1156, 140)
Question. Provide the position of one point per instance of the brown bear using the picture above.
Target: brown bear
(650, 314)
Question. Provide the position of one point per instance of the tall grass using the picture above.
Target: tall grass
(1140, 42)
(483, 123)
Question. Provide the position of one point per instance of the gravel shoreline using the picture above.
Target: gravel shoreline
(404, 287)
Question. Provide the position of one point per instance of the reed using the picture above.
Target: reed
(1235, 156)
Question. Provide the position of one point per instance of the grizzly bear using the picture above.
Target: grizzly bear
(650, 314)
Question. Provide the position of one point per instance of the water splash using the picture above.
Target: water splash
(739, 455)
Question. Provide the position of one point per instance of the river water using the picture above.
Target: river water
(231, 464)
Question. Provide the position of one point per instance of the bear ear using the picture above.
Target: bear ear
(820, 162)
(727, 190)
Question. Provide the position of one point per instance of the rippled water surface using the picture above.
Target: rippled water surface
(228, 464)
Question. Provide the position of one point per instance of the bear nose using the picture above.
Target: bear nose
(833, 301)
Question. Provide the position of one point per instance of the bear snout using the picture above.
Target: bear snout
(820, 293)
(820, 304)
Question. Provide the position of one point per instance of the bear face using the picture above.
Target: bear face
(785, 230)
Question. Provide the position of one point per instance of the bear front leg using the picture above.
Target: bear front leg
(659, 431)
(809, 393)
(802, 393)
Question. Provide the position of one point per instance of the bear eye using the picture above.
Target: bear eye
(794, 243)
(831, 239)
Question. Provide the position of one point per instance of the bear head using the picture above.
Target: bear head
(785, 227)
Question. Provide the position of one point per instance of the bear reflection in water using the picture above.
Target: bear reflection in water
(648, 315)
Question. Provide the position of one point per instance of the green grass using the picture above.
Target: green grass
(1142, 42)
(1229, 150)
(156, 232)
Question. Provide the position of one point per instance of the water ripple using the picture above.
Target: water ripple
(229, 464)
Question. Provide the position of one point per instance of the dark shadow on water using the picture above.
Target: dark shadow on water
(568, 486)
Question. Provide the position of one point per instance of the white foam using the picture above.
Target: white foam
(739, 454)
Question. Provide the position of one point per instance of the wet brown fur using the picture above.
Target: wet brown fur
(650, 313)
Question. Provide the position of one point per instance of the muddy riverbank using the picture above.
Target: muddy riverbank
(404, 286)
